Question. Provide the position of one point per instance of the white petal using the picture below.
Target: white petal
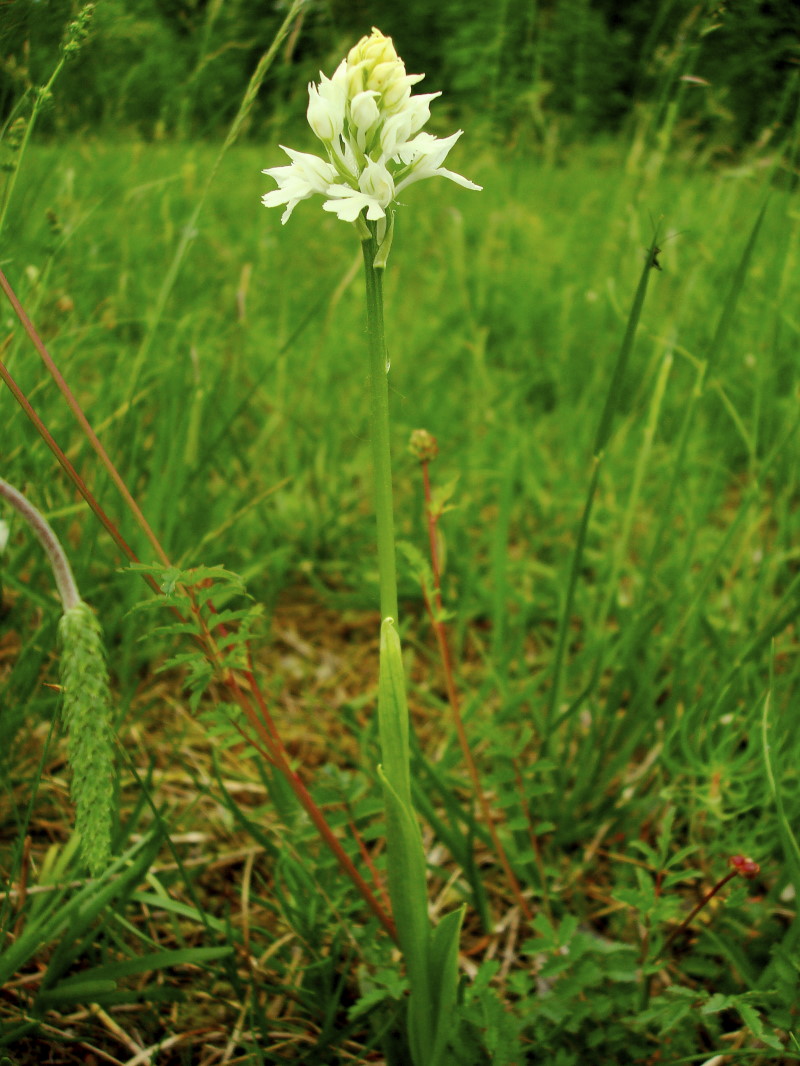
(280, 174)
(349, 204)
(278, 199)
(364, 111)
(317, 173)
(418, 110)
(459, 179)
(346, 210)
(308, 174)
(374, 209)
(427, 151)
(339, 77)
(397, 93)
(287, 214)
(424, 156)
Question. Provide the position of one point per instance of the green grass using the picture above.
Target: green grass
(245, 441)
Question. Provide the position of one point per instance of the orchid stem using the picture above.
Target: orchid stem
(379, 423)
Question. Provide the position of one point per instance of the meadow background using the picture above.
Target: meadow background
(627, 684)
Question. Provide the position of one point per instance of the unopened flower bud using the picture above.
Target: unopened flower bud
(397, 92)
(383, 75)
(356, 79)
(373, 50)
(744, 866)
(321, 116)
(364, 112)
(423, 446)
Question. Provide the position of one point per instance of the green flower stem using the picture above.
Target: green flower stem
(431, 955)
(379, 422)
(62, 571)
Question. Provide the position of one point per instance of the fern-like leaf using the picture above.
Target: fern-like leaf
(203, 600)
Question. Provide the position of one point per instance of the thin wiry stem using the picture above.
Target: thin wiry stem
(62, 571)
(71, 472)
(440, 631)
(83, 421)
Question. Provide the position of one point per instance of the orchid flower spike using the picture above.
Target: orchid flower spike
(371, 128)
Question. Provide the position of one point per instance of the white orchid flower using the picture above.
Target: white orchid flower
(374, 194)
(308, 174)
(370, 126)
(423, 158)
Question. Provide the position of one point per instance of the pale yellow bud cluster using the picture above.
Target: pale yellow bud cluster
(373, 50)
(373, 65)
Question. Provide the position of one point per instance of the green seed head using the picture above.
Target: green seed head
(88, 718)
(77, 31)
(16, 133)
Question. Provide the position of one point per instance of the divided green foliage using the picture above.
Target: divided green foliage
(200, 599)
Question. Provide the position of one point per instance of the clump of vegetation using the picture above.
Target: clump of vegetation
(596, 578)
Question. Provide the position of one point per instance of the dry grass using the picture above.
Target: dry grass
(323, 661)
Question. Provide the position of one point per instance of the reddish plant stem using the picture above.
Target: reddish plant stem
(83, 421)
(432, 521)
(696, 910)
(365, 855)
(440, 631)
(278, 756)
(71, 472)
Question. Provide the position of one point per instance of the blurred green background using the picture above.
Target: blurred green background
(162, 66)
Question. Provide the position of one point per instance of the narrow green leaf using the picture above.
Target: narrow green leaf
(614, 389)
(157, 960)
(443, 976)
(393, 712)
(601, 439)
(791, 848)
(726, 317)
(116, 884)
(405, 865)
(68, 920)
(76, 992)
